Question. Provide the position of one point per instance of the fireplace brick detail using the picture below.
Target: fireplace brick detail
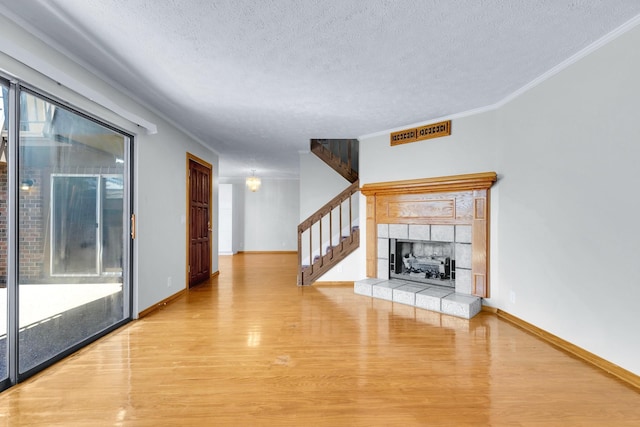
(398, 231)
(442, 233)
(420, 232)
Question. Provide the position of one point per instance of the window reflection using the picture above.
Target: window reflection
(71, 229)
(254, 337)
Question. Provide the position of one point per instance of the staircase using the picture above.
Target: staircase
(331, 233)
(340, 154)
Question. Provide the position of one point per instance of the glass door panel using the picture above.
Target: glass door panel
(4, 317)
(74, 225)
(112, 191)
(71, 231)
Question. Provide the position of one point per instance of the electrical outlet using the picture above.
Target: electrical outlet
(512, 297)
(169, 282)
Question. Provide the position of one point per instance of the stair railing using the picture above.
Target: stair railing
(340, 154)
(324, 248)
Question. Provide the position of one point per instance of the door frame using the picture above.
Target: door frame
(202, 162)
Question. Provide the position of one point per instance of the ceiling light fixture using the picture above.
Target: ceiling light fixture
(253, 182)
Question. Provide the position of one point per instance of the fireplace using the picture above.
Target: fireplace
(433, 254)
(422, 261)
(448, 215)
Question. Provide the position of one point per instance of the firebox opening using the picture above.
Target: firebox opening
(429, 262)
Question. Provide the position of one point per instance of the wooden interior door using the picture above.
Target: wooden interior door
(199, 222)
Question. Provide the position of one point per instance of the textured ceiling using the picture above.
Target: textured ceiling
(255, 80)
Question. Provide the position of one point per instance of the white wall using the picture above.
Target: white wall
(472, 147)
(239, 188)
(565, 239)
(266, 220)
(569, 239)
(160, 160)
(225, 223)
(271, 216)
(232, 215)
(319, 183)
(162, 212)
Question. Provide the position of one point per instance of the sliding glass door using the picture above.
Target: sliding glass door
(4, 314)
(64, 231)
(71, 224)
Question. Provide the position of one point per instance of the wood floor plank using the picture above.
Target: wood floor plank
(252, 348)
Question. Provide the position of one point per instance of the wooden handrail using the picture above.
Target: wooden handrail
(329, 206)
(339, 154)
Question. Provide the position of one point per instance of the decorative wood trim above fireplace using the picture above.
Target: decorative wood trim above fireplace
(448, 200)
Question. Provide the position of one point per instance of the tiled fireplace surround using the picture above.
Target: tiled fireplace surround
(444, 209)
(458, 234)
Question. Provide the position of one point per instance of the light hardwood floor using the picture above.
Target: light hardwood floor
(252, 348)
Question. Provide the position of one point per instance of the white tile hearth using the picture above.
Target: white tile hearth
(407, 294)
(384, 289)
(430, 299)
(460, 305)
(364, 287)
(383, 231)
(433, 298)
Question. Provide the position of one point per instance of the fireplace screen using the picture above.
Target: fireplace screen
(422, 261)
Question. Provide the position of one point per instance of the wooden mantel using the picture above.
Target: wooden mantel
(474, 181)
(448, 200)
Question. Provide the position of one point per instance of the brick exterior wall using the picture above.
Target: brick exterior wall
(32, 228)
(34, 221)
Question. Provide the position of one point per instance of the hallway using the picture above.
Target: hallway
(252, 348)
